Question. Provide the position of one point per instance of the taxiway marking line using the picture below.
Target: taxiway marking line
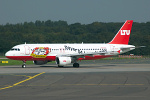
(107, 84)
(31, 77)
(8, 86)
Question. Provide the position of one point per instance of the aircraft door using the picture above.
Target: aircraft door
(112, 48)
(27, 50)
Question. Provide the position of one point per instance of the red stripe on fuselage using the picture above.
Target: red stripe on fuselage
(30, 58)
(52, 58)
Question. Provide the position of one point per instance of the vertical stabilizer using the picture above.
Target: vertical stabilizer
(123, 35)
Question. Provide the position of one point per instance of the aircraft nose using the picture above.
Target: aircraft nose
(7, 54)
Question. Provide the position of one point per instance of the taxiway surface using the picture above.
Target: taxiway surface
(100, 79)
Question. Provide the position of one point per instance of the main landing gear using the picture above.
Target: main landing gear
(24, 64)
(76, 65)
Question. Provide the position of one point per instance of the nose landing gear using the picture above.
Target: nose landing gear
(24, 64)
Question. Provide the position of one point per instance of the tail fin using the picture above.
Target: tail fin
(122, 37)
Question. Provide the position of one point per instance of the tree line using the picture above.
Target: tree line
(62, 32)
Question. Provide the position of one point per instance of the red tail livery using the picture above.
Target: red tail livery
(122, 37)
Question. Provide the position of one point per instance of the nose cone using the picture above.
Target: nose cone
(11, 55)
(8, 54)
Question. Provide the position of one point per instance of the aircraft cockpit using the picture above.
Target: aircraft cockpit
(15, 49)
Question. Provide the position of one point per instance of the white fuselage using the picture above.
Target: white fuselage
(25, 50)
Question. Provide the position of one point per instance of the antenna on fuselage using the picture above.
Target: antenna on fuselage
(25, 42)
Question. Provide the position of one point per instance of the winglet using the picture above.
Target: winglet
(122, 37)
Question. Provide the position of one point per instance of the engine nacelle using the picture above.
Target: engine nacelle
(40, 62)
(63, 60)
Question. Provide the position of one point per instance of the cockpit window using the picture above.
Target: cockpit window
(15, 49)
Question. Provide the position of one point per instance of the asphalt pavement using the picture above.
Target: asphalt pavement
(97, 80)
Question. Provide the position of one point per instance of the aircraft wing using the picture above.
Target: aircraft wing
(80, 55)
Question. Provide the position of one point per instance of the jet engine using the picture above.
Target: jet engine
(61, 61)
(40, 62)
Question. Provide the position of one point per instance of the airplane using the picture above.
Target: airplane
(64, 54)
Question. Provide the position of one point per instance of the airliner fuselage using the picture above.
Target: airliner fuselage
(28, 52)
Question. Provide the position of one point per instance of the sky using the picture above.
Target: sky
(74, 11)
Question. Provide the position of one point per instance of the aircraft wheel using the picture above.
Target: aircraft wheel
(60, 66)
(76, 65)
(23, 66)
